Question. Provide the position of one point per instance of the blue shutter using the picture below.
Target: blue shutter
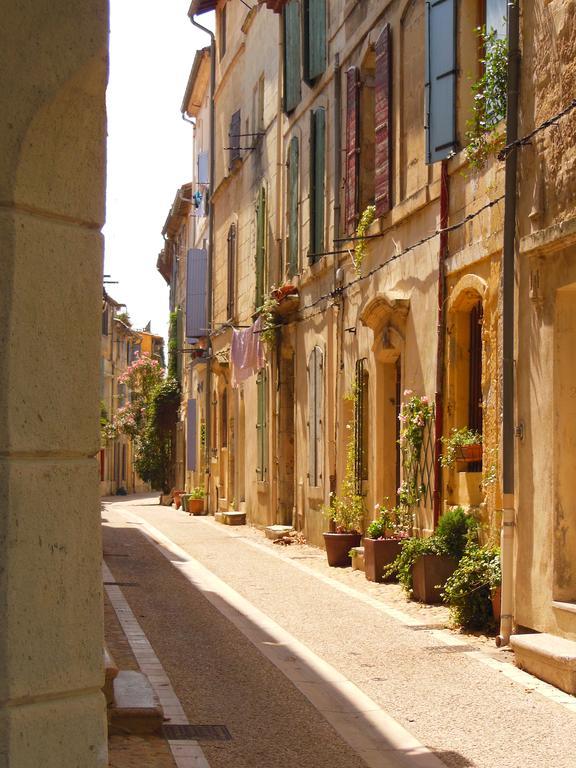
(440, 107)
(191, 429)
(197, 268)
(292, 55)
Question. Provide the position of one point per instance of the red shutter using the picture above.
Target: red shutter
(382, 120)
(352, 146)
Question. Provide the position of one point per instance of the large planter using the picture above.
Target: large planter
(379, 553)
(195, 506)
(429, 574)
(166, 499)
(338, 545)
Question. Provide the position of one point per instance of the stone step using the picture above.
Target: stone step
(358, 562)
(135, 708)
(110, 672)
(551, 658)
(277, 531)
(231, 518)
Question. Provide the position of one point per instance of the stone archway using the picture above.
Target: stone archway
(52, 183)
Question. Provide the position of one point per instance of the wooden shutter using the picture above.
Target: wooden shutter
(361, 418)
(260, 247)
(315, 37)
(317, 181)
(197, 268)
(383, 123)
(262, 428)
(293, 192)
(292, 55)
(315, 414)
(440, 86)
(191, 436)
(179, 342)
(352, 147)
(231, 285)
(234, 138)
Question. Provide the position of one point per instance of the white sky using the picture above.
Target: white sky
(152, 46)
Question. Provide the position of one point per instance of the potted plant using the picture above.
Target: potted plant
(346, 512)
(463, 444)
(195, 501)
(383, 539)
(424, 565)
(472, 590)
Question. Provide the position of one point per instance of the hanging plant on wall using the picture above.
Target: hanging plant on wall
(366, 220)
(482, 136)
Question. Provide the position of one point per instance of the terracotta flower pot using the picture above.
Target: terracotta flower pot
(379, 553)
(469, 452)
(337, 547)
(195, 506)
(429, 574)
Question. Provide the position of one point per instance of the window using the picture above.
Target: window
(315, 38)
(257, 109)
(262, 427)
(475, 375)
(368, 133)
(317, 182)
(234, 139)
(292, 56)
(440, 80)
(260, 247)
(496, 16)
(222, 35)
(224, 419)
(361, 416)
(315, 417)
(231, 285)
(293, 193)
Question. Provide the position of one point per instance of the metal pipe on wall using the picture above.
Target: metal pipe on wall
(508, 324)
(441, 339)
(209, 280)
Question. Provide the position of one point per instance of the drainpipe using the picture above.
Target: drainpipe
(441, 340)
(337, 307)
(508, 268)
(208, 404)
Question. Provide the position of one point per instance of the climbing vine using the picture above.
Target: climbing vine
(416, 413)
(482, 136)
(268, 319)
(363, 225)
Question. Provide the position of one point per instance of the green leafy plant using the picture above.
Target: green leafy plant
(416, 413)
(455, 531)
(173, 345)
(468, 590)
(197, 493)
(366, 220)
(395, 523)
(268, 318)
(489, 91)
(456, 440)
(346, 509)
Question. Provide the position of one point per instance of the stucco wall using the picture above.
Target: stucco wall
(52, 79)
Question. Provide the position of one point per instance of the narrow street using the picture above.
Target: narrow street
(316, 667)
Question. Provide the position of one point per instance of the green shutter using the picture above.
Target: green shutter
(179, 343)
(260, 247)
(315, 38)
(317, 182)
(262, 428)
(292, 55)
(293, 167)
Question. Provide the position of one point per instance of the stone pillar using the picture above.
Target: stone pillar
(53, 71)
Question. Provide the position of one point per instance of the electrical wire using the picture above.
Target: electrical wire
(546, 124)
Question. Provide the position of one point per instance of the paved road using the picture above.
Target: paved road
(457, 696)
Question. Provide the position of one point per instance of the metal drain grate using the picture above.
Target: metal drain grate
(121, 584)
(197, 732)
